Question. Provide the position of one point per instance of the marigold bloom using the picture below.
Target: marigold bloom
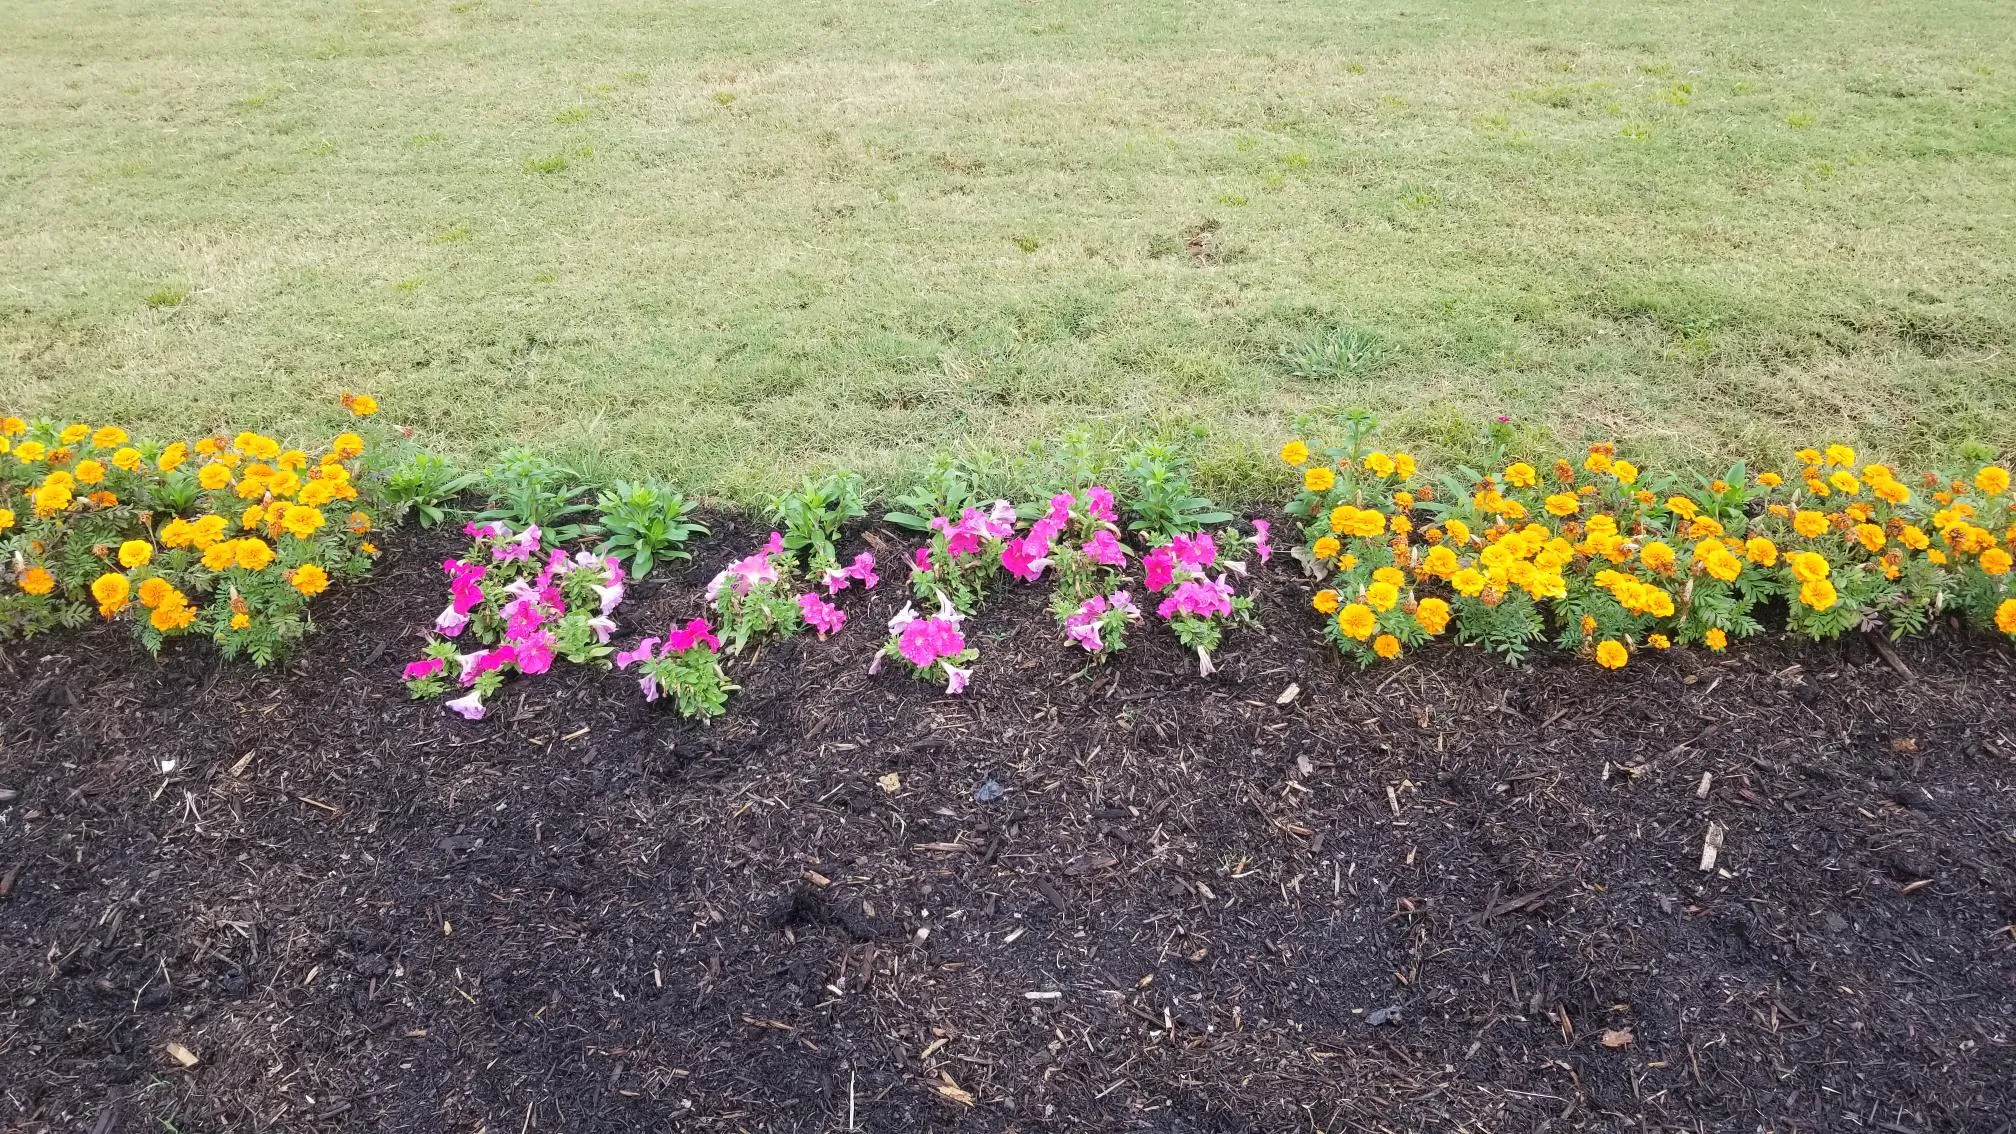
(74, 433)
(173, 614)
(1521, 475)
(108, 437)
(1992, 479)
(135, 553)
(1318, 479)
(363, 405)
(1840, 455)
(1808, 566)
(302, 522)
(253, 554)
(1818, 594)
(1870, 537)
(214, 477)
(1845, 482)
(1682, 507)
(127, 459)
(240, 621)
(1716, 639)
(220, 556)
(1468, 582)
(173, 457)
(1325, 601)
(153, 591)
(12, 427)
(1357, 621)
(1433, 615)
(1382, 596)
(1611, 654)
(1295, 453)
(346, 446)
(1770, 479)
(1440, 562)
(310, 579)
(90, 472)
(1658, 641)
(1327, 547)
(1809, 523)
(1386, 646)
(1760, 551)
(1995, 561)
(2005, 616)
(1657, 555)
(37, 581)
(1457, 531)
(6, 518)
(1563, 504)
(112, 591)
(28, 452)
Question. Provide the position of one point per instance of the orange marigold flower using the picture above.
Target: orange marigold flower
(363, 405)
(1318, 479)
(1992, 479)
(1995, 561)
(1433, 615)
(154, 591)
(135, 553)
(1357, 621)
(1295, 453)
(37, 581)
(112, 591)
(1716, 639)
(310, 579)
(1386, 646)
(1611, 654)
(2005, 616)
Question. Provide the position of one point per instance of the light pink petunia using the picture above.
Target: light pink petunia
(470, 705)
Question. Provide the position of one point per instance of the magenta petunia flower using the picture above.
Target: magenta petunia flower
(425, 667)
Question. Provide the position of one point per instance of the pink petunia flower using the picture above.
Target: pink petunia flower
(821, 615)
(1197, 551)
(642, 651)
(1105, 548)
(535, 654)
(1260, 545)
(1024, 558)
(1099, 505)
(425, 667)
(956, 678)
(695, 632)
(470, 705)
(1159, 568)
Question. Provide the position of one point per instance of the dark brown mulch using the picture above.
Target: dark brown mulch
(1442, 895)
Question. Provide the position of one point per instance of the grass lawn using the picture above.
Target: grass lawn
(729, 241)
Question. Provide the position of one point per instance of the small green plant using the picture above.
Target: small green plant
(947, 490)
(1027, 243)
(646, 523)
(423, 486)
(1162, 501)
(812, 516)
(171, 296)
(526, 488)
(552, 163)
(1337, 353)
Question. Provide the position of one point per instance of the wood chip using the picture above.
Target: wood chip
(244, 762)
(1711, 846)
(942, 848)
(329, 807)
(1914, 887)
(1042, 995)
(818, 879)
(1617, 1037)
(891, 783)
(1702, 791)
(952, 1090)
(182, 1055)
(1289, 694)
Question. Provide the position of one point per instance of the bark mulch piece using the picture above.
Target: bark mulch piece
(1447, 894)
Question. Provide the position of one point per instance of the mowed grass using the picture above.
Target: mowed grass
(728, 242)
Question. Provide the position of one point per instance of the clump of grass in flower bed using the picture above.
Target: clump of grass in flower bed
(1610, 558)
(229, 537)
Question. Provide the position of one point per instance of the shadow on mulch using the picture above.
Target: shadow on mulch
(1437, 895)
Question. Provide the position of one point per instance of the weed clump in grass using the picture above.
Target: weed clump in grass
(552, 163)
(170, 296)
(1341, 352)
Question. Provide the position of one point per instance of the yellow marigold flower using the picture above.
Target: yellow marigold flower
(346, 446)
(1845, 482)
(1295, 453)
(1325, 601)
(12, 427)
(1346, 562)
(1890, 491)
(1468, 582)
(291, 460)
(1327, 547)
(363, 405)
(302, 522)
(1625, 472)
(112, 591)
(1379, 464)
(37, 581)
(1588, 624)
(1386, 646)
(1992, 479)
(252, 517)
(207, 531)
(1357, 621)
(173, 614)
(2005, 616)
(1818, 487)
(1914, 537)
(1382, 596)
(28, 452)
(135, 553)
(175, 533)
(1658, 641)
(1995, 561)
(368, 548)
(1770, 479)
(1808, 566)
(208, 447)
(240, 621)
(1611, 654)
(1318, 479)
(1818, 594)
(6, 518)
(173, 457)
(1682, 507)
(1391, 575)
(1704, 527)
(90, 472)
(315, 494)
(127, 459)
(1840, 455)
(152, 591)
(1936, 556)
(1403, 500)
(253, 554)
(1717, 560)
(1760, 551)
(1440, 562)
(1433, 615)
(1809, 523)
(1563, 504)
(1870, 537)
(1716, 639)
(214, 477)
(1402, 525)
(1521, 475)
(1597, 461)
(1458, 532)
(108, 437)
(310, 579)
(73, 434)
(220, 556)
(51, 499)
(1403, 465)
(229, 458)
(1657, 555)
